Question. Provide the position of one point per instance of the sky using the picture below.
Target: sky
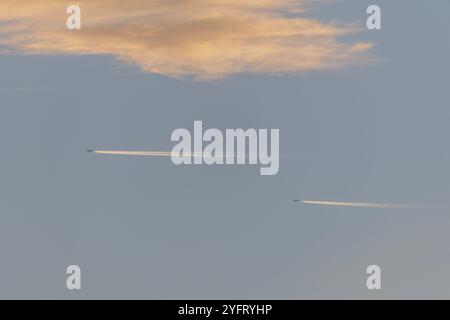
(368, 111)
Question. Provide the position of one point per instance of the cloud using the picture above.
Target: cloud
(205, 39)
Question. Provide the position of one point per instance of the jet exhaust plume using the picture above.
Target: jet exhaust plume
(357, 204)
(139, 153)
(161, 154)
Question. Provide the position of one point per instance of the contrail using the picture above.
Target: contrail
(162, 154)
(141, 153)
(358, 204)
(152, 153)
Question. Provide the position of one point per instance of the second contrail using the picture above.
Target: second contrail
(357, 204)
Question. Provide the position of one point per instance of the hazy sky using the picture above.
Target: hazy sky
(367, 110)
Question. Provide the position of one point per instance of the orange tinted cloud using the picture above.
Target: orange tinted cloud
(206, 39)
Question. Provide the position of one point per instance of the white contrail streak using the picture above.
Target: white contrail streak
(357, 204)
(142, 153)
(160, 154)
(152, 153)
